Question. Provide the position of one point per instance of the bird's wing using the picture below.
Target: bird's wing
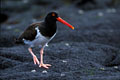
(30, 33)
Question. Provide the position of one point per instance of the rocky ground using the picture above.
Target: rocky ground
(90, 52)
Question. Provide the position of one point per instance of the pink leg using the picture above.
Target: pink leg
(41, 58)
(36, 61)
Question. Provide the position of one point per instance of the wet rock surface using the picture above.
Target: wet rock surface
(90, 52)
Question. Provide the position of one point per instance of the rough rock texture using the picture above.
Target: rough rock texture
(90, 52)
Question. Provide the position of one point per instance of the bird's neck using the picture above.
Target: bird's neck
(50, 24)
(50, 28)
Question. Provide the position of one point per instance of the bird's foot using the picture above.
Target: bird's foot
(36, 61)
(44, 65)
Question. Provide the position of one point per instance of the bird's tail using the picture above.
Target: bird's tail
(18, 41)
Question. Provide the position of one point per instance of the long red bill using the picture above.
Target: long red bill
(64, 22)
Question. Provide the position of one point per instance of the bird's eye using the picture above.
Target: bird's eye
(53, 14)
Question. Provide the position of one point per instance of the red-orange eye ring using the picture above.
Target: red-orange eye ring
(53, 14)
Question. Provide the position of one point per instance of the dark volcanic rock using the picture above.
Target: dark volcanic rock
(90, 52)
(69, 61)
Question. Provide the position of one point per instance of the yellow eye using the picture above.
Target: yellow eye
(53, 14)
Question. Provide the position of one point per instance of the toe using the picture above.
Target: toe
(48, 65)
(45, 67)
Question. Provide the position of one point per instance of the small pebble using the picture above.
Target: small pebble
(33, 71)
(111, 10)
(100, 14)
(102, 69)
(62, 74)
(64, 61)
(116, 67)
(44, 71)
(67, 44)
(80, 11)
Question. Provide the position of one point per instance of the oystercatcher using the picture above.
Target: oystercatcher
(39, 34)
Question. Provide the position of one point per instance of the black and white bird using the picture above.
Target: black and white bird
(39, 34)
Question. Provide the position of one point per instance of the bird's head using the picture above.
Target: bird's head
(53, 17)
